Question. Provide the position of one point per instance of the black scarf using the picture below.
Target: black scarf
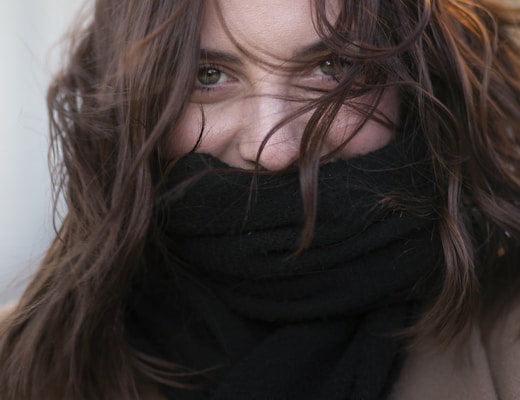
(226, 295)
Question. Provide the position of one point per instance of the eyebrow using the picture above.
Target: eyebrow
(311, 49)
(222, 56)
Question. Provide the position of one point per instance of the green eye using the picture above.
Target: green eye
(332, 67)
(209, 76)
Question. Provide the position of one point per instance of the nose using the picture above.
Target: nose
(263, 113)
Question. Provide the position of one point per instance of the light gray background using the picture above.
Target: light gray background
(29, 53)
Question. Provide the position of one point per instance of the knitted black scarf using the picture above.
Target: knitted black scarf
(224, 294)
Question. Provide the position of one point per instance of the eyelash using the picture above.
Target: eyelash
(210, 88)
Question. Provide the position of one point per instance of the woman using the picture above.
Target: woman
(280, 200)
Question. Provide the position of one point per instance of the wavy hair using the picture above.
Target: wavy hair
(127, 80)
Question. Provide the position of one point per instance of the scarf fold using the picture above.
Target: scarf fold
(229, 297)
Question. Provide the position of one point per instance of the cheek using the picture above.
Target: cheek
(373, 135)
(186, 134)
(220, 124)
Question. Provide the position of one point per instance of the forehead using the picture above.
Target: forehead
(273, 26)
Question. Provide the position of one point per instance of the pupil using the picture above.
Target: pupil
(208, 76)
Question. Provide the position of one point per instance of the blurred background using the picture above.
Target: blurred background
(30, 53)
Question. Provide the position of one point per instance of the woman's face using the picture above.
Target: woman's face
(244, 94)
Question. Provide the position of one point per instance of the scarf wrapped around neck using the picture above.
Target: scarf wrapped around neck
(227, 296)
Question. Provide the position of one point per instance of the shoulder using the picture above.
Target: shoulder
(486, 365)
(6, 310)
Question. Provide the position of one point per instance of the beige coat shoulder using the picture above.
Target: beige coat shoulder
(484, 367)
(5, 310)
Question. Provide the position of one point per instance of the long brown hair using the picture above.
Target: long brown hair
(125, 85)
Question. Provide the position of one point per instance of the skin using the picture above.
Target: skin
(243, 97)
